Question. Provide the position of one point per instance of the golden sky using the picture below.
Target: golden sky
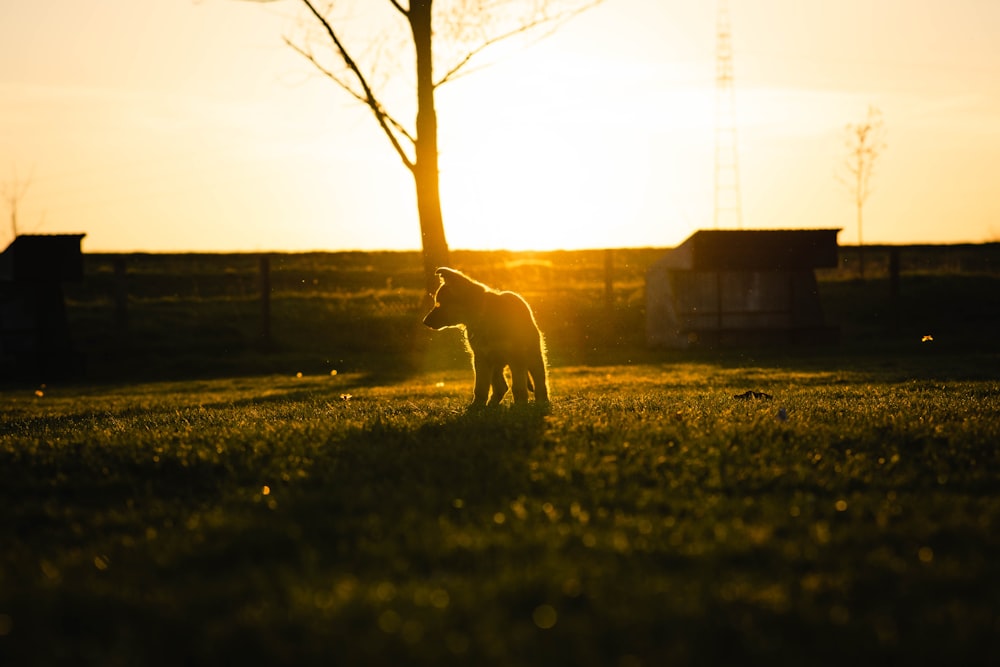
(166, 125)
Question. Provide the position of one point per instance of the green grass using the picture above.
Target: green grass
(648, 518)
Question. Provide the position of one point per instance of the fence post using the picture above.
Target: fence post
(121, 294)
(265, 302)
(894, 272)
(895, 307)
(609, 279)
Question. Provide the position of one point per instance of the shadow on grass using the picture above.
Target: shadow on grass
(461, 461)
(386, 518)
(228, 571)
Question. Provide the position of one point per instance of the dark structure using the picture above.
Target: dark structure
(35, 340)
(738, 287)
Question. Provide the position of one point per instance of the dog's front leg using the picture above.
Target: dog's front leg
(481, 392)
(499, 384)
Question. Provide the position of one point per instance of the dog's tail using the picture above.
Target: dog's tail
(531, 384)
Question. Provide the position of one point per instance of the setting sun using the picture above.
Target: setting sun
(534, 186)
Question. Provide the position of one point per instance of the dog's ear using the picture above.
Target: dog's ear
(458, 279)
(440, 272)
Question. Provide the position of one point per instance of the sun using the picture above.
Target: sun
(540, 170)
(523, 188)
(508, 190)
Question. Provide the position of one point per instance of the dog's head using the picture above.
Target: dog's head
(456, 301)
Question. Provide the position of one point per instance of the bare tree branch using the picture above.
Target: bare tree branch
(14, 192)
(553, 21)
(865, 142)
(368, 96)
(348, 89)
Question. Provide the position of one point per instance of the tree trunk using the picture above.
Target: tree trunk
(425, 168)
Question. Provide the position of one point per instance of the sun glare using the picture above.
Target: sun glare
(520, 188)
(542, 169)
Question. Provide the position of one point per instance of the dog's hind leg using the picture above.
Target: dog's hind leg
(519, 383)
(537, 371)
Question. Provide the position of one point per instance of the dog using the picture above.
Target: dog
(500, 332)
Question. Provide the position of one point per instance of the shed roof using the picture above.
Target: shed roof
(754, 250)
(47, 257)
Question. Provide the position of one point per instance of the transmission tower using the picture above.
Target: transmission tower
(727, 167)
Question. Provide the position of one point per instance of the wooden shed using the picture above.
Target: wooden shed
(35, 338)
(736, 287)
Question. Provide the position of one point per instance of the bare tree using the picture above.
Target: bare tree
(865, 142)
(447, 38)
(13, 193)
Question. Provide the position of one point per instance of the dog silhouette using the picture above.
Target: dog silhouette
(500, 332)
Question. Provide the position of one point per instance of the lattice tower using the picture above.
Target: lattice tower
(728, 208)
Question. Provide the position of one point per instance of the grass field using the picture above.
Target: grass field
(648, 518)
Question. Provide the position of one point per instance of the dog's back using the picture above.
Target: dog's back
(506, 324)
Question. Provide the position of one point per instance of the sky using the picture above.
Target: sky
(191, 125)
